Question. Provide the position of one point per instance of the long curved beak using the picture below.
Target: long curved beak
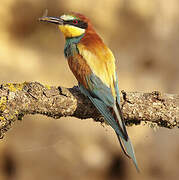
(55, 20)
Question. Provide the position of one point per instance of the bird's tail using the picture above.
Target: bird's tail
(125, 143)
(115, 119)
(128, 150)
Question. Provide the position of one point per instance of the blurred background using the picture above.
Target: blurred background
(143, 35)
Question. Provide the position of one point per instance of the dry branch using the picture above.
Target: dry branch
(17, 100)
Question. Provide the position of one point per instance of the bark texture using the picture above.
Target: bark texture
(17, 100)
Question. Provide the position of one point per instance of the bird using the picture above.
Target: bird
(93, 65)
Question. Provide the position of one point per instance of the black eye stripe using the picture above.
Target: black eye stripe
(79, 23)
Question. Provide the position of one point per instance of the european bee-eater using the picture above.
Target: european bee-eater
(93, 65)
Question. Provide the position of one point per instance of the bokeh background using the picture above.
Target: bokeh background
(144, 36)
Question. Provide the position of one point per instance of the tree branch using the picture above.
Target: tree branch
(17, 100)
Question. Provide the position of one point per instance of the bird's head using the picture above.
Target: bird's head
(71, 25)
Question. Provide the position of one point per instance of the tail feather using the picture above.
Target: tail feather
(119, 120)
(123, 149)
(126, 144)
(128, 150)
(115, 120)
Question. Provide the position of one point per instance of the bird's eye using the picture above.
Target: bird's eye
(75, 21)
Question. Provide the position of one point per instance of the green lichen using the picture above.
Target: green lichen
(2, 121)
(15, 87)
(2, 118)
(47, 86)
(3, 101)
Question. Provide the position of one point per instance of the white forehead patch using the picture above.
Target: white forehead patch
(67, 17)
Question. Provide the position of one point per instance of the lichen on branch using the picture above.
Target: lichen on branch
(17, 100)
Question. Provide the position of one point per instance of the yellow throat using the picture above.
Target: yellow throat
(71, 31)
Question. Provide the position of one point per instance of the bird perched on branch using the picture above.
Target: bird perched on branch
(93, 65)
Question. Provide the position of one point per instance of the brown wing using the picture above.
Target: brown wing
(80, 68)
